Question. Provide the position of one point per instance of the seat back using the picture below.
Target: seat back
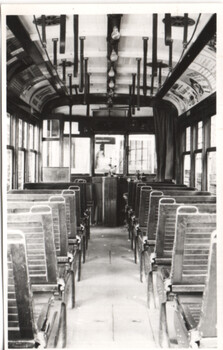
(58, 207)
(37, 226)
(78, 202)
(137, 197)
(144, 205)
(154, 206)
(167, 221)
(191, 246)
(21, 325)
(208, 321)
(44, 195)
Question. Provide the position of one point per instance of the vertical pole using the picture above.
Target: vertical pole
(64, 70)
(185, 30)
(133, 92)
(85, 80)
(145, 48)
(75, 22)
(44, 31)
(138, 83)
(81, 83)
(70, 83)
(55, 40)
(62, 33)
(154, 53)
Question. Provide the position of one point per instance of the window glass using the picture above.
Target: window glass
(198, 170)
(212, 172)
(74, 128)
(213, 131)
(25, 135)
(142, 155)
(51, 153)
(36, 141)
(80, 155)
(188, 138)
(31, 139)
(8, 129)
(186, 180)
(51, 128)
(109, 154)
(9, 169)
(21, 169)
(32, 166)
(200, 135)
(20, 134)
(66, 152)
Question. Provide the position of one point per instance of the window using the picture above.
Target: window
(21, 169)
(20, 141)
(9, 168)
(188, 139)
(32, 167)
(200, 135)
(74, 128)
(109, 154)
(186, 174)
(8, 129)
(142, 155)
(31, 136)
(211, 178)
(213, 131)
(51, 151)
(51, 128)
(80, 155)
(198, 170)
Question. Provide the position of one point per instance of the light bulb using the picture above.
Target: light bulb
(110, 101)
(111, 72)
(115, 35)
(111, 84)
(113, 56)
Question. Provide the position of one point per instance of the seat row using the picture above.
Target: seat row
(172, 239)
(47, 240)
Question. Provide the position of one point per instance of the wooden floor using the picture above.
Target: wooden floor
(111, 310)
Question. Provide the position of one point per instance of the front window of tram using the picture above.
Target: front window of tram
(109, 154)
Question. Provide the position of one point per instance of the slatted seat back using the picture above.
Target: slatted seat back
(37, 226)
(82, 183)
(57, 205)
(137, 197)
(144, 205)
(44, 195)
(154, 206)
(78, 202)
(167, 221)
(191, 246)
(21, 324)
(208, 321)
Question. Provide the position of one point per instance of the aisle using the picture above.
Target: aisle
(111, 309)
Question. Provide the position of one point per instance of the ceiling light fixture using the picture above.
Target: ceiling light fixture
(113, 56)
(111, 84)
(115, 35)
(111, 72)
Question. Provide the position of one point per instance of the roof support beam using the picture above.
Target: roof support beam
(206, 34)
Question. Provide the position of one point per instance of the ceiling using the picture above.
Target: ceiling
(33, 78)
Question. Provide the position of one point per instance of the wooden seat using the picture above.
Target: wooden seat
(76, 225)
(189, 268)
(44, 271)
(66, 256)
(71, 218)
(196, 324)
(33, 319)
(162, 258)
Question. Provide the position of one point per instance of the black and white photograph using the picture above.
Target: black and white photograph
(111, 198)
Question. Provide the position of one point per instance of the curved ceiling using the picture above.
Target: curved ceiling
(33, 78)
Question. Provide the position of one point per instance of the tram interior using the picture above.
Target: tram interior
(111, 181)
